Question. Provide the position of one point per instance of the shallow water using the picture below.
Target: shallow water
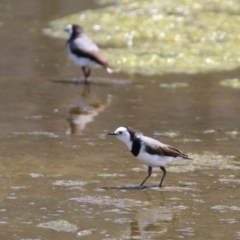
(62, 177)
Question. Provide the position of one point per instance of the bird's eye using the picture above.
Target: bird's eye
(120, 132)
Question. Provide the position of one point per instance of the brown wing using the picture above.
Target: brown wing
(174, 152)
(95, 56)
(165, 151)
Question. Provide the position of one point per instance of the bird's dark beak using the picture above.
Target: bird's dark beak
(65, 29)
(112, 133)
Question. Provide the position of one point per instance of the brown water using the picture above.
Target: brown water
(55, 155)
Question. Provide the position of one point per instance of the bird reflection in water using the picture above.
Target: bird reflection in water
(155, 220)
(84, 110)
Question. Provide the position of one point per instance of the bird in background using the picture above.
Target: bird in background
(148, 151)
(84, 52)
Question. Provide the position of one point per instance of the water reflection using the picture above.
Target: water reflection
(153, 221)
(139, 219)
(83, 110)
(150, 223)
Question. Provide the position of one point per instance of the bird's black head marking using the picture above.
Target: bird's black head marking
(136, 141)
(77, 28)
(75, 31)
(132, 133)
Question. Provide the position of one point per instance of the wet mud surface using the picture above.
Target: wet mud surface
(62, 177)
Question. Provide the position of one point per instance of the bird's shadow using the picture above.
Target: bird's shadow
(130, 187)
(76, 82)
(94, 81)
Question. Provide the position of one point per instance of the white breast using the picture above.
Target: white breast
(154, 160)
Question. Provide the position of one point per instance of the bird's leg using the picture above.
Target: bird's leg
(86, 90)
(164, 173)
(86, 74)
(149, 174)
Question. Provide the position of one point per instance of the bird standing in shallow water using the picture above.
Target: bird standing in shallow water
(84, 52)
(148, 151)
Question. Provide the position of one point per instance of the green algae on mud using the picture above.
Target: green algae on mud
(68, 183)
(108, 201)
(173, 85)
(155, 37)
(176, 189)
(206, 160)
(59, 225)
(232, 83)
(221, 208)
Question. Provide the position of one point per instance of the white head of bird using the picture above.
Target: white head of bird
(126, 135)
(69, 29)
(122, 134)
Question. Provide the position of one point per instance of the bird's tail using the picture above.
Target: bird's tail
(111, 69)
